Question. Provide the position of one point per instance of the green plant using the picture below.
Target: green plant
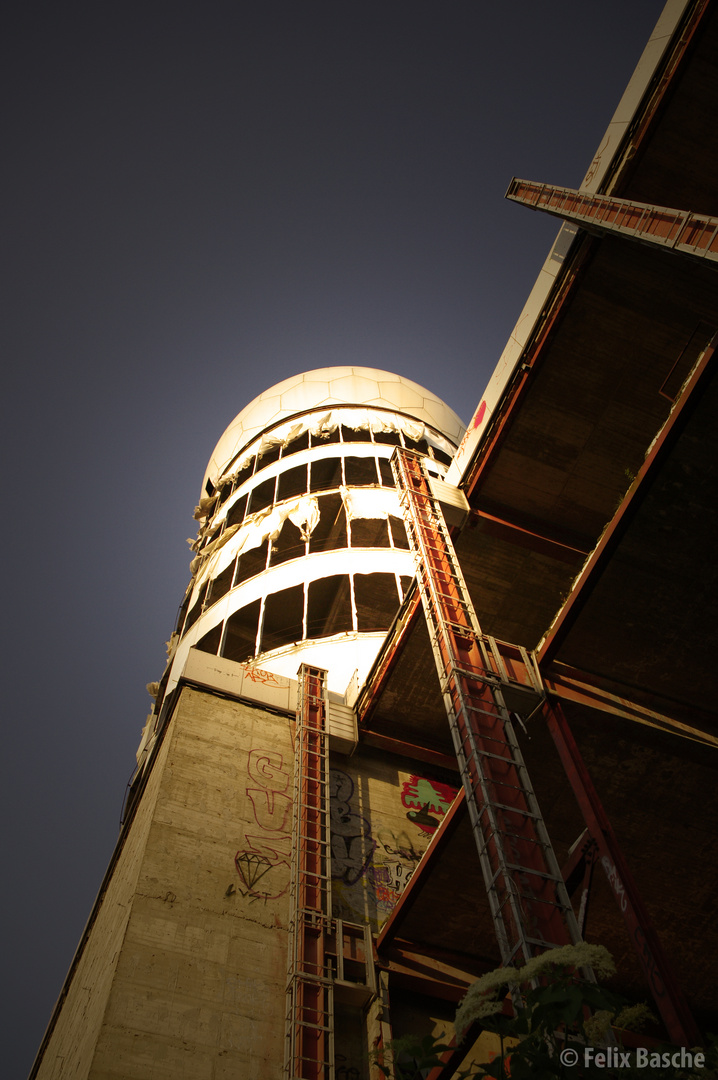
(559, 1028)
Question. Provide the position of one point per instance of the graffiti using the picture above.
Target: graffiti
(615, 882)
(395, 861)
(372, 861)
(426, 801)
(268, 678)
(263, 865)
(352, 846)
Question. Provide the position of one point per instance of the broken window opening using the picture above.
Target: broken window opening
(393, 438)
(196, 609)
(235, 515)
(283, 620)
(221, 584)
(268, 456)
(377, 599)
(441, 456)
(387, 476)
(291, 483)
(210, 642)
(323, 438)
(405, 584)
(331, 530)
(240, 635)
(398, 533)
(329, 606)
(295, 445)
(369, 533)
(326, 473)
(360, 471)
(225, 491)
(252, 562)
(245, 473)
(262, 496)
(421, 447)
(288, 545)
(350, 435)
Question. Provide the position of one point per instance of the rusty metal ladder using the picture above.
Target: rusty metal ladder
(527, 895)
(309, 1031)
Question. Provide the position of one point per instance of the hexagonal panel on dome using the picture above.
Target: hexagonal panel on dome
(303, 396)
(354, 388)
(407, 395)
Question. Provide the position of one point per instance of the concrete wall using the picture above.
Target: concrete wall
(184, 971)
(384, 811)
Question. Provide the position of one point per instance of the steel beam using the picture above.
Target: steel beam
(570, 685)
(695, 235)
(667, 994)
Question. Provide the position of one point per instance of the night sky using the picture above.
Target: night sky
(200, 200)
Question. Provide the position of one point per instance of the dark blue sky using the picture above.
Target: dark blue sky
(200, 200)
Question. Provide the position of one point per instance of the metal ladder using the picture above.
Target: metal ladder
(309, 1033)
(527, 896)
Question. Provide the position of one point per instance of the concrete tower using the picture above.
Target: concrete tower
(301, 558)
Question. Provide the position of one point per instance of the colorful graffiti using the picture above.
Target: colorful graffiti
(426, 801)
(373, 859)
(263, 865)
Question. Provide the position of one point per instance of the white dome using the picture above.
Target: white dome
(329, 387)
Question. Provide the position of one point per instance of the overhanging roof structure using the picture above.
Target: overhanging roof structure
(590, 472)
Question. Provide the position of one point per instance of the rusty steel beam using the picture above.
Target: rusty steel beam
(525, 537)
(614, 531)
(569, 685)
(694, 235)
(409, 750)
(434, 972)
(674, 1011)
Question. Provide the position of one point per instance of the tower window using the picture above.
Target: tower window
(393, 438)
(325, 437)
(210, 642)
(300, 443)
(252, 562)
(283, 621)
(441, 456)
(221, 584)
(360, 471)
(245, 473)
(387, 476)
(288, 545)
(398, 532)
(268, 456)
(262, 496)
(376, 599)
(196, 609)
(240, 636)
(329, 609)
(369, 532)
(350, 435)
(235, 515)
(331, 529)
(291, 483)
(326, 473)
